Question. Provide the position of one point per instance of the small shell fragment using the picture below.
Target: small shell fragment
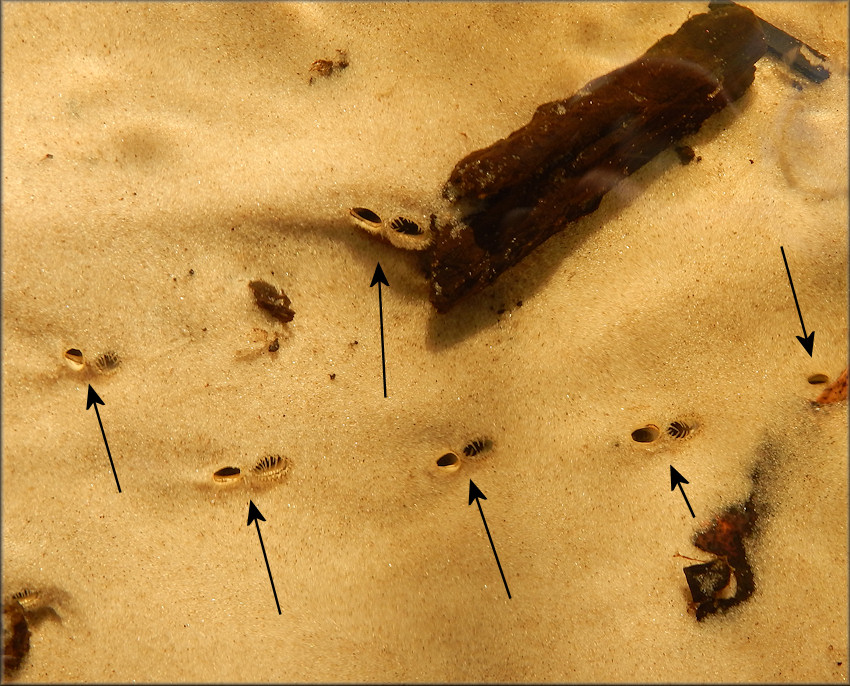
(227, 474)
(75, 359)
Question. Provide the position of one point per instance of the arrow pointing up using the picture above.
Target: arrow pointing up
(254, 513)
(94, 399)
(677, 479)
(379, 278)
(474, 494)
(255, 516)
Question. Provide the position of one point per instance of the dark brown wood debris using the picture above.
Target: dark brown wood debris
(525, 188)
(275, 302)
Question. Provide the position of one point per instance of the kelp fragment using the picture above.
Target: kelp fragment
(835, 392)
(23, 611)
(525, 188)
(275, 302)
(16, 636)
(326, 68)
(707, 580)
(725, 538)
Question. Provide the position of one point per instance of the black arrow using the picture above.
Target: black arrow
(474, 494)
(808, 342)
(379, 279)
(677, 479)
(253, 515)
(94, 399)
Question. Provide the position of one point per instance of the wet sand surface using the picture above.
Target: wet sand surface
(159, 157)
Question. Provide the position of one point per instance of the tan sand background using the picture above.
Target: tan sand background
(190, 155)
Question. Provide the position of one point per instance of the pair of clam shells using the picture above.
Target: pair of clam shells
(406, 231)
(270, 466)
(676, 429)
(104, 363)
(450, 461)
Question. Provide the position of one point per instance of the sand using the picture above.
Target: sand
(158, 157)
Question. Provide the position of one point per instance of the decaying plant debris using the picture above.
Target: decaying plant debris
(725, 537)
(525, 188)
(274, 301)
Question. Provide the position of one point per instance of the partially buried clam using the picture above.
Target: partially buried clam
(477, 446)
(646, 434)
(681, 428)
(108, 362)
(271, 466)
(227, 475)
(448, 462)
